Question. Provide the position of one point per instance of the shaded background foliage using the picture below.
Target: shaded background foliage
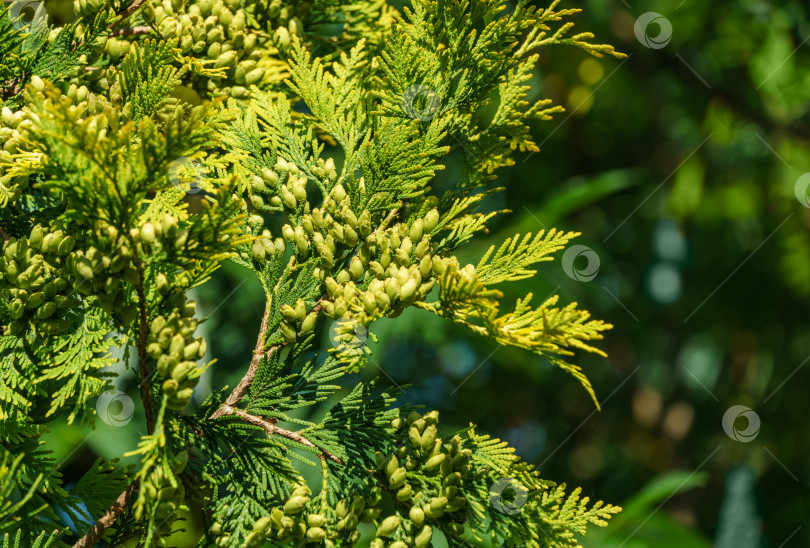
(679, 166)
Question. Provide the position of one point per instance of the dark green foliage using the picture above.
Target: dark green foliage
(132, 180)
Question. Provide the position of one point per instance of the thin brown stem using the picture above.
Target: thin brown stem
(143, 333)
(272, 429)
(243, 386)
(258, 353)
(113, 512)
(133, 7)
(133, 31)
(227, 408)
(390, 217)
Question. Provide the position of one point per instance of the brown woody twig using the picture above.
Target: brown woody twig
(272, 429)
(242, 388)
(143, 333)
(227, 408)
(133, 31)
(93, 535)
(132, 8)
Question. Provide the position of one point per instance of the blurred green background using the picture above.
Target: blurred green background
(681, 166)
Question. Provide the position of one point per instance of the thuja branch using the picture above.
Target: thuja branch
(390, 217)
(272, 429)
(105, 522)
(260, 167)
(132, 8)
(134, 31)
(259, 352)
(143, 332)
(241, 389)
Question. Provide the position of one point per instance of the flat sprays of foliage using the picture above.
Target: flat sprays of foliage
(313, 132)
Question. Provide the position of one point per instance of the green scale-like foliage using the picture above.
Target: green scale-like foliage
(145, 143)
